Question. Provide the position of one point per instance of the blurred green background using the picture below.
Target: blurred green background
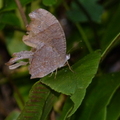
(89, 25)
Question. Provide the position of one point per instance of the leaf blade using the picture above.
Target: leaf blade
(84, 71)
(35, 105)
(97, 99)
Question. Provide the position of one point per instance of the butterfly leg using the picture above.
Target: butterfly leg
(51, 74)
(55, 74)
(69, 66)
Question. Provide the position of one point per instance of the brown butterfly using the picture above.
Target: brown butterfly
(47, 39)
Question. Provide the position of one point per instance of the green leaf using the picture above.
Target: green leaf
(112, 30)
(98, 97)
(11, 5)
(9, 18)
(14, 42)
(48, 106)
(75, 84)
(81, 9)
(113, 109)
(102, 114)
(66, 110)
(76, 14)
(49, 2)
(109, 47)
(37, 104)
(13, 115)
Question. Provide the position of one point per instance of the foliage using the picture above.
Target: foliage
(91, 90)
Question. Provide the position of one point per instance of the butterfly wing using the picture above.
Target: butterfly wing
(44, 61)
(43, 29)
(47, 37)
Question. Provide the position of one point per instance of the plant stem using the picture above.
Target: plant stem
(109, 46)
(21, 12)
(84, 37)
(81, 31)
(90, 21)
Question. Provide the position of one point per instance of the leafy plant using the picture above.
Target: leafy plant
(91, 90)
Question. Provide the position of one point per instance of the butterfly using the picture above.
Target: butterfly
(47, 39)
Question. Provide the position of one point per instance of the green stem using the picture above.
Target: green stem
(109, 46)
(84, 37)
(21, 12)
(81, 31)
